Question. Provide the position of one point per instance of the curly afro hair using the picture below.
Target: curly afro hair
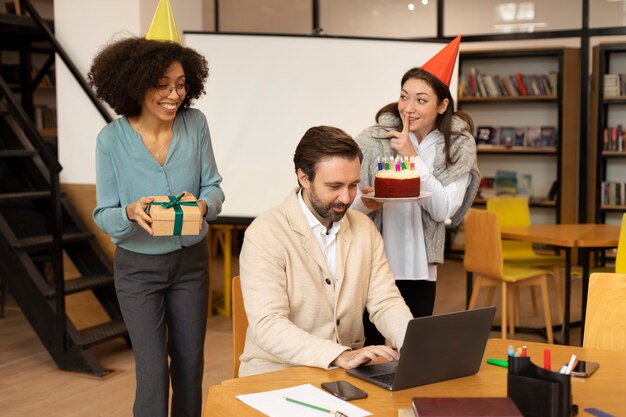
(123, 71)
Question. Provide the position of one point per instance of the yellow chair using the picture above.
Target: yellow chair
(514, 211)
(484, 258)
(620, 259)
(605, 323)
(240, 324)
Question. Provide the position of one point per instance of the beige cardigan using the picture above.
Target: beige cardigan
(295, 315)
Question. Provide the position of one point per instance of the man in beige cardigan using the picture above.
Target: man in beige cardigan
(310, 267)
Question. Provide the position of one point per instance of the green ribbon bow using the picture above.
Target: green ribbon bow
(176, 204)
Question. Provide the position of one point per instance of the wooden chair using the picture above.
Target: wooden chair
(515, 211)
(605, 323)
(620, 259)
(240, 324)
(483, 257)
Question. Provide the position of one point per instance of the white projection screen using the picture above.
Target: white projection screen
(264, 92)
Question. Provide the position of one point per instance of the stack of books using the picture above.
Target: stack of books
(611, 85)
(614, 139)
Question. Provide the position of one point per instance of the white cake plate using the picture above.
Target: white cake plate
(372, 196)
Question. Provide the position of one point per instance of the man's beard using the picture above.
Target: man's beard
(325, 210)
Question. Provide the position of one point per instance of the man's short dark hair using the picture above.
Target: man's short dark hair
(320, 143)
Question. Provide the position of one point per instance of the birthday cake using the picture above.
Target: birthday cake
(397, 178)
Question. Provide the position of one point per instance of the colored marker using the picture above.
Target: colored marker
(511, 351)
(571, 363)
(547, 365)
(524, 351)
(498, 362)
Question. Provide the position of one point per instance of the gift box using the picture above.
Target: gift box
(175, 216)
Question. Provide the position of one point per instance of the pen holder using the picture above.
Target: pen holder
(538, 392)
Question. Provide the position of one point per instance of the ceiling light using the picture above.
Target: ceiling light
(411, 7)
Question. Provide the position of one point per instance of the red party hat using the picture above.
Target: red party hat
(442, 64)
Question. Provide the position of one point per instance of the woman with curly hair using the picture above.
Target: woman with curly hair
(159, 146)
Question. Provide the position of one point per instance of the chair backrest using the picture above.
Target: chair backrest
(483, 246)
(620, 260)
(512, 211)
(605, 323)
(240, 324)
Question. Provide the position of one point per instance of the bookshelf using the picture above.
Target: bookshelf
(548, 108)
(607, 150)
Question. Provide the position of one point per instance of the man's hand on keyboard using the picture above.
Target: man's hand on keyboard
(353, 358)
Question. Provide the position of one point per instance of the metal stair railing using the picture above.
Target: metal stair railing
(55, 200)
(32, 12)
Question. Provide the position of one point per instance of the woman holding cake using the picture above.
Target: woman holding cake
(159, 147)
(421, 128)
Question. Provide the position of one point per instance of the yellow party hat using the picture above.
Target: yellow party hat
(163, 26)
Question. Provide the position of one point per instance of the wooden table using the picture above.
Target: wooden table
(568, 237)
(604, 389)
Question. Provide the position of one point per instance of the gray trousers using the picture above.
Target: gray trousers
(164, 301)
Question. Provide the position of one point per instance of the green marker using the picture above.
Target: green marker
(324, 410)
(498, 362)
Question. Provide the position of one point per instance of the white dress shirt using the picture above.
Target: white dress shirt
(326, 238)
(403, 234)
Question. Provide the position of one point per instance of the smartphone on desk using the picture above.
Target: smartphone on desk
(585, 368)
(344, 390)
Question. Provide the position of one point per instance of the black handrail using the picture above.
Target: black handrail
(54, 167)
(50, 160)
(28, 7)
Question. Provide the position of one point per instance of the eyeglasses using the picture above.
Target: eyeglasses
(166, 90)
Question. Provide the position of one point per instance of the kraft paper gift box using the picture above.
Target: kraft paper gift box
(175, 215)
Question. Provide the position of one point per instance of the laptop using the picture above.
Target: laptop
(436, 348)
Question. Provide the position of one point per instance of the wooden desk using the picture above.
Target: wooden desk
(604, 389)
(568, 237)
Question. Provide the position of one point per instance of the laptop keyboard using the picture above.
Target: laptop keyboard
(385, 378)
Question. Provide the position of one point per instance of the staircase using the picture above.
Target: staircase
(37, 227)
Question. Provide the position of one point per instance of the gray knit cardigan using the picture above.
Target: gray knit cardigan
(374, 143)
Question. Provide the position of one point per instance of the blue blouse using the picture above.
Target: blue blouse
(126, 171)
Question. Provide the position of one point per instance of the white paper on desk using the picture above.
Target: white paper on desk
(273, 403)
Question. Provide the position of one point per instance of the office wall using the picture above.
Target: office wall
(82, 29)
(264, 92)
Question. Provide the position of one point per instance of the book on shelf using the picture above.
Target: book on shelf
(547, 137)
(506, 182)
(487, 187)
(533, 137)
(613, 139)
(464, 407)
(510, 89)
(519, 83)
(507, 136)
(611, 85)
(524, 184)
(613, 193)
(520, 136)
(487, 135)
(554, 189)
